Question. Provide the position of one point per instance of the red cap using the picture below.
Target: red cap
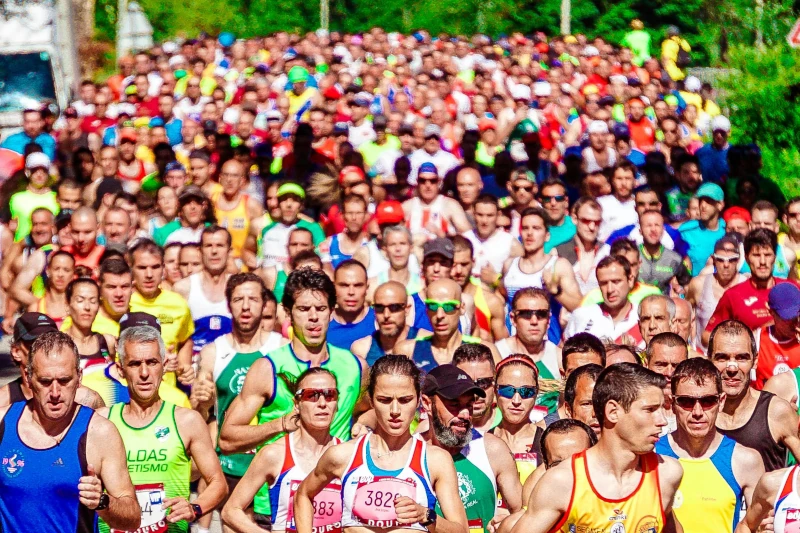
(332, 93)
(350, 169)
(487, 124)
(389, 212)
(736, 212)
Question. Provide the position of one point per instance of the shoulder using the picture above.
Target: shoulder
(188, 419)
(436, 454)
(361, 346)
(746, 458)
(778, 407)
(101, 428)
(182, 286)
(494, 445)
(670, 470)
(689, 226)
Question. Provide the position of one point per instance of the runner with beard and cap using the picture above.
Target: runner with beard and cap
(224, 362)
(718, 473)
(756, 419)
(391, 307)
(620, 484)
(484, 463)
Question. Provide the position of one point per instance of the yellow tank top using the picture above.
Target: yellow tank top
(297, 101)
(640, 512)
(236, 221)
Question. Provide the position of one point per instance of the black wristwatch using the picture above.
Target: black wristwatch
(197, 510)
(104, 501)
(430, 518)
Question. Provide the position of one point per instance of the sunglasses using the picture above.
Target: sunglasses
(518, 188)
(687, 403)
(731, 259)
(508, 391)
(449, 306)
(589, 221)
(484, 383)
(393, 308)
(558, 198)
(313, 395)
(423, 181)
(527, 314)
(506, 227)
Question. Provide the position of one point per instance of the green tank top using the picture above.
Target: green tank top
(280, 284)
(158, 466)
(229, 384)
(347, 369)
(476, 484)
(791, 460)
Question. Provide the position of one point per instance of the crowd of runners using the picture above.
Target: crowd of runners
(386, 282)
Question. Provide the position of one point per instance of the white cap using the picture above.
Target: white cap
(521, 92)
(169, 47)
(692, 84)
(721, 122)
(597, 126)
(618, 78)
(37, 160)
(590, 51)
(176, 60)
(542, 88)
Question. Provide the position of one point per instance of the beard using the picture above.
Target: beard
(246, 328)
(446, 436)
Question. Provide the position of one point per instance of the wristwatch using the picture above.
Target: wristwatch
(197, 510)
(430, 518)
(104, 501)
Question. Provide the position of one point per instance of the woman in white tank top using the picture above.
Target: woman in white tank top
(391, 480)
(283, 464)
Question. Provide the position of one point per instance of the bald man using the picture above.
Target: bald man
(85, 249)
(444, 306)
(234, 209)
(391, 307)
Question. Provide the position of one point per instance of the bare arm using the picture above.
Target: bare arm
(516, 249)
(254, 209)
(194, 432)
(21, 285)
(330, 466)
(6, 271)
(570, 293)
(445, 486)
(783, 424)
(783, 386)
(182, 288)
(506, 471)
(204, 392)
(531, 482)
(498, 320)
(549, 501)
(261, 471)
(763, 501)
(458, 217)
(748, 468)
(89, 398)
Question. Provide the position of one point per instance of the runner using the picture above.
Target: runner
(193, 211)
(343, 246)
(273, 245)
(54, 450)
(390, 308)
(285, 463)
(300, 240)
(96, 350)
(54, 302)
(204, 291)
(430, 214)
(352, 318)
(584, 250)
(85, 249)
(163, 441)
(718, 473)
(234, 209)
(638, 487)
(36, 195)
(477, 362)
(491, 246)
(778, 347)
(656, 315)
(418, 478)
(753, 418)
(391, 260)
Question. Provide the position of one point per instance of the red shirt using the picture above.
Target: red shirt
(93, 124)
(745, 303)
(774, 357)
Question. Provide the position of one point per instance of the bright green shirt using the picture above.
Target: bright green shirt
(24, 203)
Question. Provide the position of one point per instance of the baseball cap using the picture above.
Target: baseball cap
(710, 190)
(31, 325)
(721, 122)
(736, 212)
(487, 124)
(441, 245)
(597, 126)
(298, 74)
(341, 128)
(132, 320)
(427, 168)
(389, 212)
(37, 160)
(362, 99)
(449, 382)
(128, 134)
(191, 191)
(727, 239)
(784, 299)
(432, 130)
(291, 188)
(174, 165)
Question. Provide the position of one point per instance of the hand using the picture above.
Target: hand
(489, 275)
(494, 524)
(90, 488)
(179, 509)
(408, 512)
(203, 389)
(186, 375)
(8, 325)
(291, 422)
(551, 280)
(171, 361)
(359, 430)
(768, 523)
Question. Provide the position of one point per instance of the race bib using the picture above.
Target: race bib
(154, 517)
(374, 500)
(475, 525)
(327, 509)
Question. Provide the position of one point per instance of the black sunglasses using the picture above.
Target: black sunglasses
(527, 314)
(393, 308)
(687, 403)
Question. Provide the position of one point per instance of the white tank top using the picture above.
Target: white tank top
(787, 504)
(422, 214)
(516, 279)
(226, 351)
(368, 492)
(493, 251)
(549, 357)
(199, 304)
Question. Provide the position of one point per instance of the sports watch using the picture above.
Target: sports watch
(430, 518)
(103, 504)
(197, 510)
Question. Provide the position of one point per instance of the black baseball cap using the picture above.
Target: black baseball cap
(449, 382)
(31, 325)
(132, 320)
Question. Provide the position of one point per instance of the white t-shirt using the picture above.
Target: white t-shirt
(358, 135)
(592, 319)
(444, 161)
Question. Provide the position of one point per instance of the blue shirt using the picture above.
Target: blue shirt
(713, 162)
(559, 234)
(344, 335)
(18, 142)
(174, 128)
(701, 242)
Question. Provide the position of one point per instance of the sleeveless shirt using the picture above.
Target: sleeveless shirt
(755, 434)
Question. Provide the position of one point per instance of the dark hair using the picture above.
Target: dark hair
(789, 203)
(697, 369)
(615, 260)
(534, 292)
(622, 246)
(586, 200)
(552, 182)
(473, 353)
(145, 246)
(303, 256)
(81, 281)
(486, 198)
(293, 382)
(685, 160)
(591, 370)
(461, 243)
(116, 266)
(731, 327)
(624, 164)
(240, 279)
(353, 198)
(174, 244)
(668, 339)
(760, 237)
(350, 263)
(622, 383)
(214, 228)
(60, 253)
(125, 197)
(306, 279)
(580, 343)
(765, 205)
(562, 427)
(393, 364)
(537, 212)
(301, 229)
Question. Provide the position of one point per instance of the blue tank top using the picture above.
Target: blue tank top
(344, 335)
(39, 488)
(423, 352)
(376, 352)
(421, 320)
(337, 255)
(208, 328)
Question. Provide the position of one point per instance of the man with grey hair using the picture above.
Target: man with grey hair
(160, 461)
(58, 452)
(656, 315)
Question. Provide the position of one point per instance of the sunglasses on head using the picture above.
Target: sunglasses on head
(527, 314)
(687, 403)
(557, 198)
(731, 259)
(508, 391)
(313, 395)
(393, 308)
(449, 306)
(484, 383)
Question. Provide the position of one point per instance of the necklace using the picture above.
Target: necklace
(57, 438)
(384, 454)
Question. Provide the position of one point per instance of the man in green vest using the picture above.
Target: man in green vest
(638, 41)
(161, 439)
(484, 463)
